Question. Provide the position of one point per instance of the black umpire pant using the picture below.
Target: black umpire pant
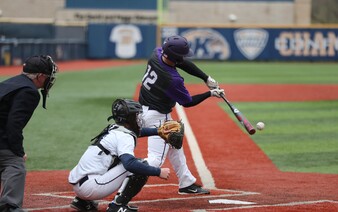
(13, 176)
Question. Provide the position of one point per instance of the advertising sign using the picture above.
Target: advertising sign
(301, 44)
(121, 41)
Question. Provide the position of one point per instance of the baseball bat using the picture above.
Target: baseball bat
(240, 117)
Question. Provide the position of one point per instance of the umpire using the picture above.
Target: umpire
(19, 97)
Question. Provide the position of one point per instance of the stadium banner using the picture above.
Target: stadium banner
(121, 41)
(136, 41)
(259, 44)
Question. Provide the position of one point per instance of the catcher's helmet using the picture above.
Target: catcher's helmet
(175, 48)
(125, 111)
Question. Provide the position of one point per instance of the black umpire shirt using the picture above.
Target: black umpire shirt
(18, 99)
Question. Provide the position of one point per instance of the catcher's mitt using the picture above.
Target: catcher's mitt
(172, 132)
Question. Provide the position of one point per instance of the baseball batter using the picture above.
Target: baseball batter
(163, 87)
(109, 164)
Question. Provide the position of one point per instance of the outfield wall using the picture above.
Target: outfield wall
(15, 51)
(218, 43)
(130, 29)
(121, 41)
(137, 41)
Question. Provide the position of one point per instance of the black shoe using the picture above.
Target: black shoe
(112, 207)
(193, 189)
(9, 208)
(4, 208)
(84, 205)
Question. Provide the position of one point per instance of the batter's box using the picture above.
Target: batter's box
(169, 192)
(151, 195)
(161, 191)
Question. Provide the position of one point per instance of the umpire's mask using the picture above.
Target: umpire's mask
(42, 64)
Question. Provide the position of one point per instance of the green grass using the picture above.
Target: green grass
(77, 110)
(270, 73)
(299, 136)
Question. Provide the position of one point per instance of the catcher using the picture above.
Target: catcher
(109, 164)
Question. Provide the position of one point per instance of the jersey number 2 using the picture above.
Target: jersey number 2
(149, 78)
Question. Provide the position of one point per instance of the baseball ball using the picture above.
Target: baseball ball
(232, 17)
(260, 125)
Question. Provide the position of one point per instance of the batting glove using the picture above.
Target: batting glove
(211, 83)
(217, 92)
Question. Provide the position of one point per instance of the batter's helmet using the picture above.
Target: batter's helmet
(124, 110)
(175, 48)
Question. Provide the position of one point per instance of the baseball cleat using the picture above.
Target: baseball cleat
(112, 207)
(84, 205)
(193, 189)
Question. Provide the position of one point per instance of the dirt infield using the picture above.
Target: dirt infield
(241, 177)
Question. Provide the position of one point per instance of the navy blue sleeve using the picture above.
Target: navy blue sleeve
(133, 165)
(192, 69)
(196, 99)
(148, 132)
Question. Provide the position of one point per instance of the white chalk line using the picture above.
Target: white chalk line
(62, 195)
(204, 173)
(265, 206)
(202, 169)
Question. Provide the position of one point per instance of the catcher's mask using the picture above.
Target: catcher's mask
(127, 111)
(176, 48)
(42, 64)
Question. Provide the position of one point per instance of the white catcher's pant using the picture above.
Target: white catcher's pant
(100, 186)
(158, 150)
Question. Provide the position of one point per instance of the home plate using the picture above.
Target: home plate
(229, 201)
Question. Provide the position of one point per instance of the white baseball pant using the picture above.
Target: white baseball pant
(158, 150)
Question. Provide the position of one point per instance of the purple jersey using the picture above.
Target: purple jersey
(162, 86)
